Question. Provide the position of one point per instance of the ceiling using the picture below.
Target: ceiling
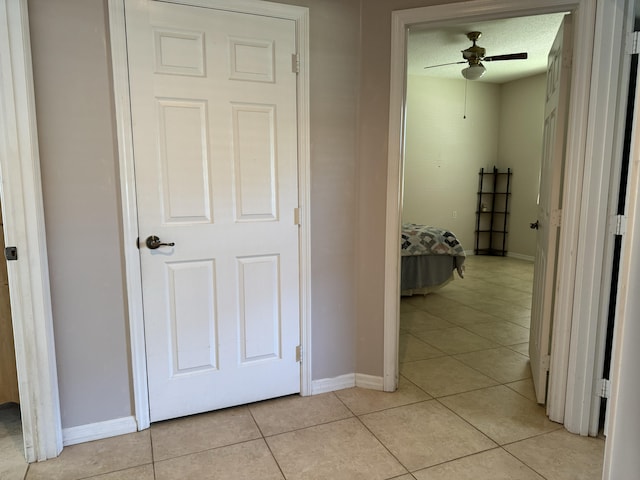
(429, 45)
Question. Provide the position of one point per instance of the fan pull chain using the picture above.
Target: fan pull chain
(464, 115)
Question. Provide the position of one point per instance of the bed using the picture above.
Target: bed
(429, 256)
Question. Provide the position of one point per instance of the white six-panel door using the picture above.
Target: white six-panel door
(213, 97)
(549, 207)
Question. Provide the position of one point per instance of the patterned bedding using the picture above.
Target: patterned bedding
(430, 255)
(425, 240)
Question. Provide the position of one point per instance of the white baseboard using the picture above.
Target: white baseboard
(325, 385)
(348, 380)
(520, 256)
(98, 430)
(369, 381)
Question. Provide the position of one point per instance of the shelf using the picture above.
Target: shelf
(491, 230)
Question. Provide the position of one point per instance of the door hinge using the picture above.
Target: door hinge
(295, 63)
(618, 225)
(299, 354)
(633, 43)
(604, 388)
(545, 361)
(556, 218)
(296, 216)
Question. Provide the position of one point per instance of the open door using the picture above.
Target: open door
(549, 205)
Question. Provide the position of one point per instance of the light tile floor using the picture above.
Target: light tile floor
(12, 464)
(464, 410)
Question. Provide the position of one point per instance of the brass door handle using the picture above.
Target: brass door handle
(154, 242)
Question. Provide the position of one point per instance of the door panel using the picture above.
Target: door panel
(192, 312)
(549, 206)
(259, 308)
(215, 141)
(184, 161)
(254, 134)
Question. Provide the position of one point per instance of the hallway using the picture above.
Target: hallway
(464, 410)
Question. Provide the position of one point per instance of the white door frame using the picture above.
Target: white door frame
(623, 423)
(299, 15)
(591, 139)
(23, 214)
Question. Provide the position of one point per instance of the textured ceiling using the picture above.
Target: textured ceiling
(437, 45)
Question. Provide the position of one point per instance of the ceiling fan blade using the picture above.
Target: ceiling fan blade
(509, 56)
(444, 64)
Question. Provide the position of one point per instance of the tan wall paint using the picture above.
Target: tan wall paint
(520, 147)
(334, 52)
(74, 107)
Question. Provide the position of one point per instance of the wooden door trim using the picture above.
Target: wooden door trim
(299, 15)
(590, 145)
(23, 211)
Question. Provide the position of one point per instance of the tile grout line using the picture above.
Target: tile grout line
(377, 439)
(114, 471)
(504, 384)
(522, 461)
(499, 446)
(410, 472)
(264, 439)
(153, 458)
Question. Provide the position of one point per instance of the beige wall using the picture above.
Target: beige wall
(520, 146)
(334, 51)
(444, 151)
(74, 107)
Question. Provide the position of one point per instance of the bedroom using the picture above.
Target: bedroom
(455, 127)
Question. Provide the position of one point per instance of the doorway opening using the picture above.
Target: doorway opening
(577, 310)
(473, 126)
(13, 459)
(14, 464)
(455, 128)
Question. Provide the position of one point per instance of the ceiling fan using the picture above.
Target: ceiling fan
(475, 55)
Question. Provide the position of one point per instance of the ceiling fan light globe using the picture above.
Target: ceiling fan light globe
(474, 71)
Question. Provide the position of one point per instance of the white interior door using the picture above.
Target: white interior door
(213, 98)
(549, 205)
